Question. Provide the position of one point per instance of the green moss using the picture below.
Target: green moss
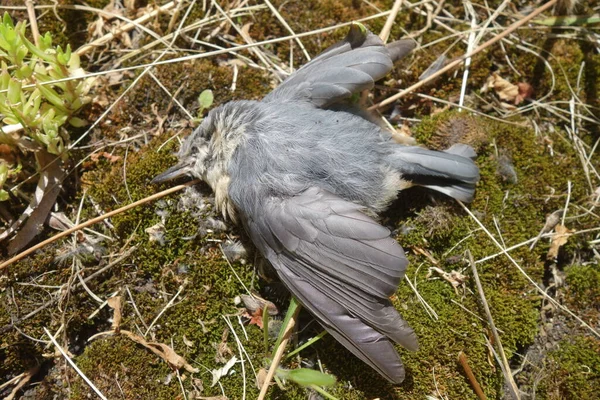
(572, 371)
(121, 368)
(583, 290)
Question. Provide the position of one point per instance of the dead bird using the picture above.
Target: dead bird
(306, 173)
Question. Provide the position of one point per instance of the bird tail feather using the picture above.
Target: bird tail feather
(451, 172)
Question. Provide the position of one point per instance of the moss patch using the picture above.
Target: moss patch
(572, 370)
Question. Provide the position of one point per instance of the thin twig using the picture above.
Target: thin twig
(459, 60)
(462, 359)
(505, 367)
(165, 308)
(208, 54)
(288, 27)
(522, 271)
(92, 221)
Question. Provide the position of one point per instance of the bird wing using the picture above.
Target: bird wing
(342, 266)
(347, 67)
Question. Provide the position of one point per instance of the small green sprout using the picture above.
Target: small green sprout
(205, 101)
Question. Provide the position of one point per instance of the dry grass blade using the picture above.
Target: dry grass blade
(69, 288)
(385, 31)
(505, 366)
(35, 32)
(125, 28)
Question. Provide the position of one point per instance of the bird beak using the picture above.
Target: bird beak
(176, 171)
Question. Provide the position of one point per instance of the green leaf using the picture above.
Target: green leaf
(14, 91)
(10, 120)
(294, 304)
(78, 122)
(24, 72)
(7, 20)
(53, 97)
(308, 377)
(205, 99)
(3, 195)
(36, 51)
(46, 41)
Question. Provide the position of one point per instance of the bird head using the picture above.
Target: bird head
(207, 152)
(192, 157)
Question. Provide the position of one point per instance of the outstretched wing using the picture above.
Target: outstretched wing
(347, 67)
(342, 266)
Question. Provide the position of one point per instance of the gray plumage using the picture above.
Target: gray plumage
(307, 178)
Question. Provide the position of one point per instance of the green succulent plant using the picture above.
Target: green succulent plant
(37, 93)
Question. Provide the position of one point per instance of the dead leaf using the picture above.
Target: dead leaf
(507, 91)
(160, 349)
(525, 92)
(187, 342)
(455, 278)
(111, 158)
(255, 302)
(59, 221)
(256, 318)
(261, 377)
(48, 187)
(223, 371)
(560, 237)
(223, 349)
(115, 304)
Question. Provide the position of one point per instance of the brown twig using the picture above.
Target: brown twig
(459, 60)
(278, 354)
(462, 359)
(92, 221)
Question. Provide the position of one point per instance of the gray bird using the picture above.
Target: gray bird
(306, 173)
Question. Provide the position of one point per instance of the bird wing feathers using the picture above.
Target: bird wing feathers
(347, 67)
(342, 266)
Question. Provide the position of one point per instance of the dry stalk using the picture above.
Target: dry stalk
(35, 32)
(505, 367)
